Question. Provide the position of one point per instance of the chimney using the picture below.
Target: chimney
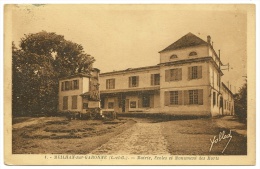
(208, 39)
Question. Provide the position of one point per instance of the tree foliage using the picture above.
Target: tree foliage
(241, 103)
(36, 66)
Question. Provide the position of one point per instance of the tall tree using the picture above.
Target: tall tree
(43, 58)
(241, 103)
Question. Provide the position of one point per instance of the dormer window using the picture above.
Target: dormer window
(193, 54)
(173, 56)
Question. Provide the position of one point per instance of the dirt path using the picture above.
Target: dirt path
(232, 123)
(143, 138)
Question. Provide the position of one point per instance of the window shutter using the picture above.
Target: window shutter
(166, 98)
(180, 97)
(167, 75)
(74, 102)
(105, 103)
(71, 85)
(186, 97)
(199, 72)
(139, 101)
(179, 73)
(107, 84)
(62, 86)
(137, 81)
(189, 73)
(152, 79)
(130, 81)
(200, 96)
(151, 101)
(65, 103)
(114, 83)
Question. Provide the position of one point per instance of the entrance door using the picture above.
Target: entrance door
(221, 105)
(126, 105)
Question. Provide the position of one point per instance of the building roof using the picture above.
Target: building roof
(187, 40)
(223, 84)
(130, 70)
(75, 75)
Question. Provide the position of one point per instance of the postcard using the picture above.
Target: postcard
(129, 84)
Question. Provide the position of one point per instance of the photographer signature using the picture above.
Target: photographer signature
(221, 136)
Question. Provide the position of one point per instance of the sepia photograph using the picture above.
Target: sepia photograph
(129, 84)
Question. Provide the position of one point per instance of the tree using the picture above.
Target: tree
(241, 103)
(43, 58)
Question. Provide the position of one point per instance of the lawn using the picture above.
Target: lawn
(57, 135)
(192, 137)
(184, 136)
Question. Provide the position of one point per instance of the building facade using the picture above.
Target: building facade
(79, 92)
(187, 81)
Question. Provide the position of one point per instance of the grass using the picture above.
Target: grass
(20, 119)
(192, 137)
(184, 135)
(62, 136)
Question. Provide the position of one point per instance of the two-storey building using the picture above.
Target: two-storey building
(79, 92)
(187, 81)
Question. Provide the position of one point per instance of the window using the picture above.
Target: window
(217, 100)
(74, 102)
(110, 83)
(67, 85)
(173, 74)
(195, 72)
(155, 79)
(193, 97)
(133, 81)
(214, 98)
(218, 80)
(133, 104)
(110, 105)
(85, 105)
(173, 56)
(65, 103)
(76, 84)
(174, 98)
(145, 101)
(70, 85)
(193, 54)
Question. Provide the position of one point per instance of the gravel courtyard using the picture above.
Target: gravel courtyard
(143, 138)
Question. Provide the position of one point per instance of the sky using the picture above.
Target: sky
(130, 36)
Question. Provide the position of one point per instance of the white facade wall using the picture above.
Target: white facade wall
(200, 110)
(186, 84)
(213, 55)
(228, 107)
(122, 79)
(215, 108)
(83, 87)
(183, 54)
